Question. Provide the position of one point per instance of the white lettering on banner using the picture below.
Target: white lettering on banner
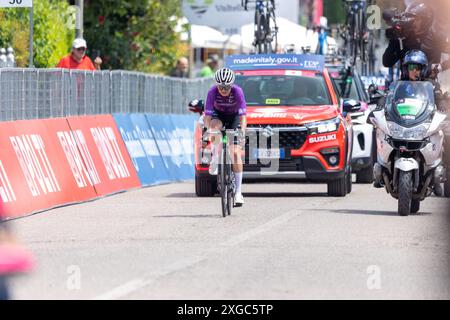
(76, 161)
(176, 147)
(84, 151)
(185, 137)
(106, 142)
(268, 115)
(134, 146)
(30, 151)
(163, 145)
(322, 138)
(149, 144)
(6, 191)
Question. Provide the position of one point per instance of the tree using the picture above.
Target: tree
(53, 34)
(134, 35)
(334, 11)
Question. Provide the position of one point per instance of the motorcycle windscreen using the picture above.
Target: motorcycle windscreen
(411, 103)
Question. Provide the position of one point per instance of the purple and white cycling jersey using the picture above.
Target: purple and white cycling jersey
(233, 104)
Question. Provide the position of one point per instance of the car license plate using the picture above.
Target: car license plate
(269, 153)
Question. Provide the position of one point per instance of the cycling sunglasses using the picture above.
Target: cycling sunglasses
(414, 67)
(224, 87)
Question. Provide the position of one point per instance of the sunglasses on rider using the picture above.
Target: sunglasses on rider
(81, 49)
(224, 87)
(414, 67)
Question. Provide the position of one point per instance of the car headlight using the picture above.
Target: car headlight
(323, 126)
(415, 133)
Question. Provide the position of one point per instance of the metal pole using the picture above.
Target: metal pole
(31, 65)
(80, 16)
(191, 53)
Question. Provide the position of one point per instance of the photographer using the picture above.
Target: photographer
(413, 30)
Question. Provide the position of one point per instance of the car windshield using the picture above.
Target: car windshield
(347, 90)
(273, 90)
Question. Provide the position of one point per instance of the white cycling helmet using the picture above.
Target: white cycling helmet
(224, 77)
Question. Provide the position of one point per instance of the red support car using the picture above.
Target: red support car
(297, 131)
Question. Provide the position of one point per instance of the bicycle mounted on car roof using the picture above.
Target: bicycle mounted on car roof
(265, 34)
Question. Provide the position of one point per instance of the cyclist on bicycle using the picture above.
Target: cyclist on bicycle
(226, 107)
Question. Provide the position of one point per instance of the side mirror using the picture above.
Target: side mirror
(351, 106)
(196, 106)
(373, 89)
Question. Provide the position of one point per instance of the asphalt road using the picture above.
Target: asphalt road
(288, 242)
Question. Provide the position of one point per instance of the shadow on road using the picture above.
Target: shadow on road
(196, 216)
(375, 212)
(285, 195)
(258, 195)
(182, 195)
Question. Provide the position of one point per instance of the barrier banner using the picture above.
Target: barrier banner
(160, 170)
(168, 145)
(142, 148)
(100, 142)
(37, 171)
(184, 130)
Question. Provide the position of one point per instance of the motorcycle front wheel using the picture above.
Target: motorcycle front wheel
(405, 185)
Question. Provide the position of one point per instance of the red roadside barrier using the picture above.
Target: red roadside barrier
(52, 162)
(33, 172)
(99, 137)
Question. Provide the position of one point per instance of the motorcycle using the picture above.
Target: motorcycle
(409, 136)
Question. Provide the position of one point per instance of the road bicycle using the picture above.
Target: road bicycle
(266, 28)
(358, 39)
(226, 182)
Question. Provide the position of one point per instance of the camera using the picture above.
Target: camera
(400, 25)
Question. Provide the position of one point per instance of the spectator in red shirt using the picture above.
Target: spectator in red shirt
(78, 59)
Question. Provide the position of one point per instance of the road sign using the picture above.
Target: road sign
(16, 3)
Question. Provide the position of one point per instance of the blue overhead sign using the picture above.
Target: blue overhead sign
(308, 62)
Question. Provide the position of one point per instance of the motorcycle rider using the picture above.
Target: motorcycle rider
(415, 68)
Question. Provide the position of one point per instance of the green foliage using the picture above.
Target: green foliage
(334, 11)
(53, 34)
(134, 35)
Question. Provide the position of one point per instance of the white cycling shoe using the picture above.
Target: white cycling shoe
(239, 199)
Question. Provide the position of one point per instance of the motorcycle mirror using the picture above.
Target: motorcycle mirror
(351, 105)
(196, 106)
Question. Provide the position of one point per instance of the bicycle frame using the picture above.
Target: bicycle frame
(264, 33)
(356, 33)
